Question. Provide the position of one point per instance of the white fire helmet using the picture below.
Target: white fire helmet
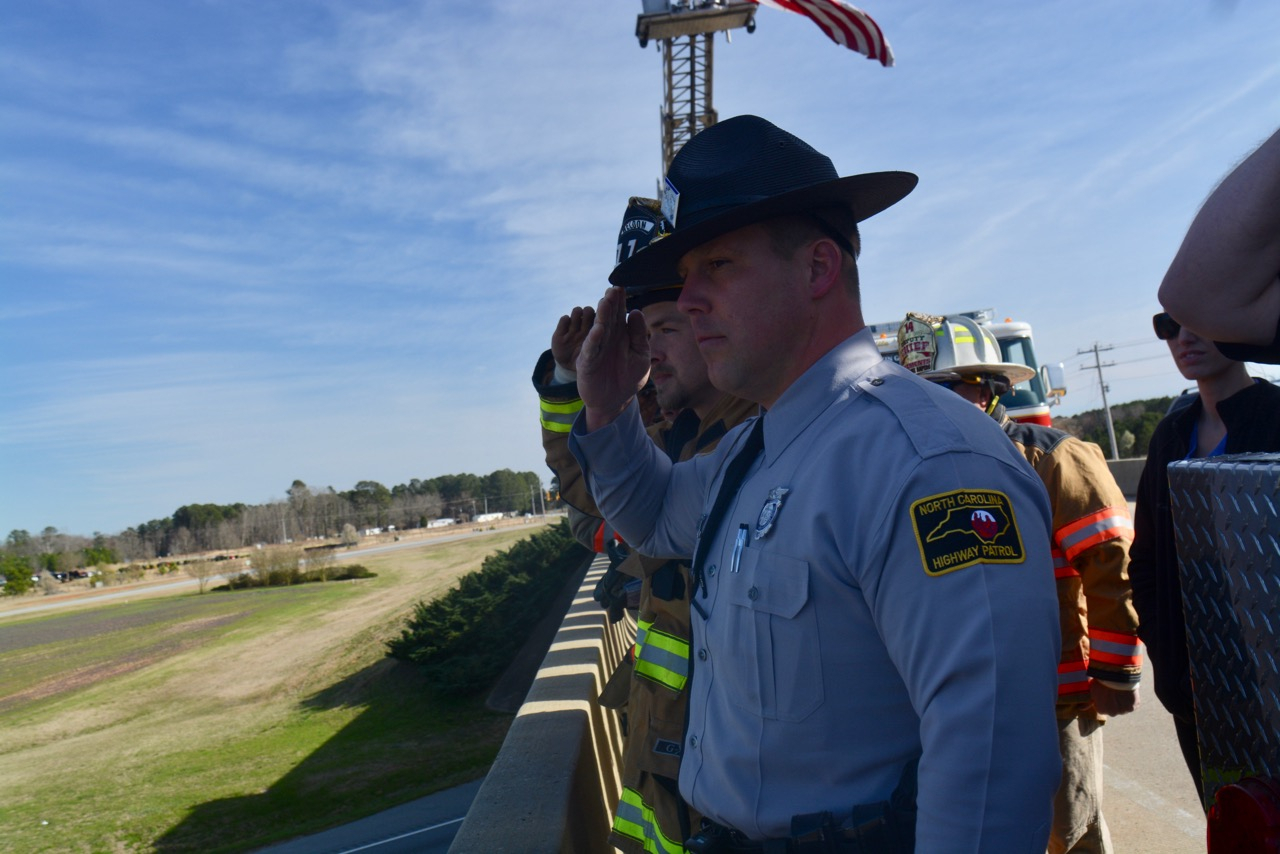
(955, 347)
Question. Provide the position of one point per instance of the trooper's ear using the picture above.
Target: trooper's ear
(825, 260)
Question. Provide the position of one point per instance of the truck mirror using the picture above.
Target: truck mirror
(1055, 381)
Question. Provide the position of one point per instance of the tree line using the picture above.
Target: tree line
(304, 513)
(1134, 424)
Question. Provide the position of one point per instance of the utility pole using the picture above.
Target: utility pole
(1098, 366)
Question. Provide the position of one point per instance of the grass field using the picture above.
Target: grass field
(225, 721)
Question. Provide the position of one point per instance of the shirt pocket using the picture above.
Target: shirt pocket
(775, 669)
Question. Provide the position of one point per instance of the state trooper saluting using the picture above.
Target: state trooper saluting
(873, 586)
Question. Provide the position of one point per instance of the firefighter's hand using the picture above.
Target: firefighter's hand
(614, 360)
(1112, 701)
(566, 341)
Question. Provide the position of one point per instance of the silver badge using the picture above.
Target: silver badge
(769, 512)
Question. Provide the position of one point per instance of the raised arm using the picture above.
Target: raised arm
(1223, 281)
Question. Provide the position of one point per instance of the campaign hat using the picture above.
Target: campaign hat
(741, 171)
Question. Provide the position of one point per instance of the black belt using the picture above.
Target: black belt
(874, 837)
(886, 827)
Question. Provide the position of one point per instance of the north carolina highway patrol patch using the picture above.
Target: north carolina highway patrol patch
(966, 526)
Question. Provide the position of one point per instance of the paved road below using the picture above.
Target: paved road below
(424, 826)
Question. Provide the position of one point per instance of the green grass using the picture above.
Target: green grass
(223, 722)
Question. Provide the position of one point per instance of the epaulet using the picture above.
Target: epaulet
(928, 423)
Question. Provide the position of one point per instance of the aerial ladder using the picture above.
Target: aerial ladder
(685, 32)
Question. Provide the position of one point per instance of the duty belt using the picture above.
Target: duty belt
(886, 827)
(876, 836)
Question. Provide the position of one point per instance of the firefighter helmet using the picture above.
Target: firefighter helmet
(954, 348)
(643, 224)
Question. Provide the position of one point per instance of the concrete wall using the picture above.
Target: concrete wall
(554, 785)
(1126, 473)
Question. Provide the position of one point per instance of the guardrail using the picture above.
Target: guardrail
(555, 783)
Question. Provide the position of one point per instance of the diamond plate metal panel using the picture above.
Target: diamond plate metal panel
(1226, 513)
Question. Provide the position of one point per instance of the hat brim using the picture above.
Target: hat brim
(1011, 371)
(866, 195)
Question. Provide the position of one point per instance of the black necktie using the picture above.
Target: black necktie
(733, 475)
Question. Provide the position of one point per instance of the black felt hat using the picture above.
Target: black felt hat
(742, 171)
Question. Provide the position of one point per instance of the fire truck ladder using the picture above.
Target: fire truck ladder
(685, 31)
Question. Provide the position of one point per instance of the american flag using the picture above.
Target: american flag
(843, 24)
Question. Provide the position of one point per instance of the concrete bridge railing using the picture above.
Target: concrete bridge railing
(554, 785)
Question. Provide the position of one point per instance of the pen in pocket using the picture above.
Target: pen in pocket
(739, 544)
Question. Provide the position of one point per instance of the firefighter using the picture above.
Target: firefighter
(1101, 658)
(873, 606)
(650, 683)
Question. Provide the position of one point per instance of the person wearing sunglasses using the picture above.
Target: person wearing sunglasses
(1233, 413)
(1225, 272)
(1101, 662)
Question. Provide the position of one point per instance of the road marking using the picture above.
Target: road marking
(402, 836)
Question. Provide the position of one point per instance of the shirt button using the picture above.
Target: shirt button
(702, 655)
(711, 570)
(693, 742)
(753, 594)
(877, 380)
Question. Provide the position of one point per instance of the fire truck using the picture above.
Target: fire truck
(1027, 401)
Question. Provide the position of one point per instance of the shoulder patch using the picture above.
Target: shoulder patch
(966, 526)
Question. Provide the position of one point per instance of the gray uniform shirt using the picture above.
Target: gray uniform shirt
(896, 601)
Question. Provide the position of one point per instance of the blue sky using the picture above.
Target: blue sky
(248, 242)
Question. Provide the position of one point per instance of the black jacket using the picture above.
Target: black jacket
(1252, 417)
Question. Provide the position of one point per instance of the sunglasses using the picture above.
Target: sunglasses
(1166, 327)
(950, 385)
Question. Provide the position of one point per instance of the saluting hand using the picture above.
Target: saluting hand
(571, 331)
(614, 360)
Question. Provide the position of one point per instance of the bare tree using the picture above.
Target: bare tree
(322, 562)
(279, 565)
(202, 571)
(181, 543)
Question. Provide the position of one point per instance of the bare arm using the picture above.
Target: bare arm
(1223, 281)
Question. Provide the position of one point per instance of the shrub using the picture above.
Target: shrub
(17, 574)
(285, 577)
(467, 637)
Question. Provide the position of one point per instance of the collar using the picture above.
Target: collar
(827, 380)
